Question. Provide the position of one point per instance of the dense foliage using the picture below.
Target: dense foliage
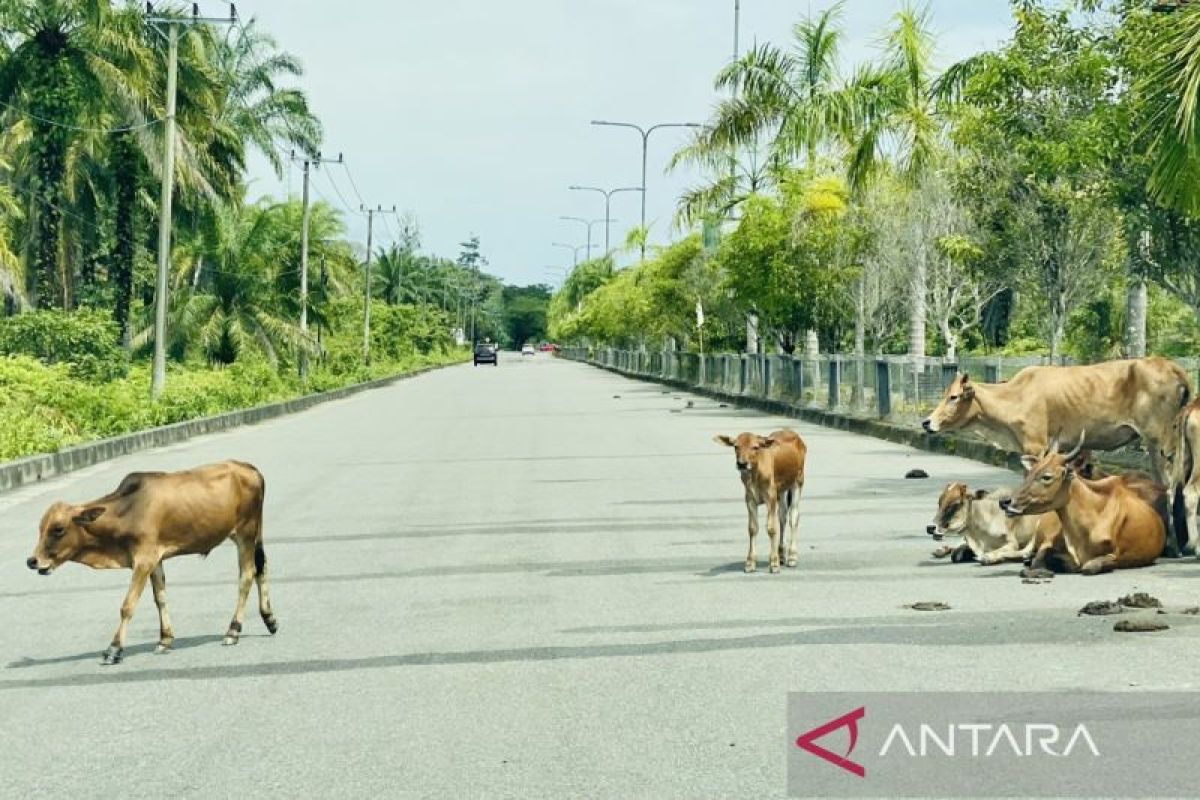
(1037, 198)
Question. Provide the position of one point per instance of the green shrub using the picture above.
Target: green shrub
(87, 341)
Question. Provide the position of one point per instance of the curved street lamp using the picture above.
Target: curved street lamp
(608, 193)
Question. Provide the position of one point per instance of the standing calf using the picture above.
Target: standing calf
(1182, 455)
(153, 516)
(772, 472)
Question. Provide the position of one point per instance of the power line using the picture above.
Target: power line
(78, 128)
(354, 185)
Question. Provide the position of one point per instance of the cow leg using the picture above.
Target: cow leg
(1191, 507)
(752, 510)
(793, 554)
(166, 636)
(1105, 563)
(116, 650)
(264, 589)
(245, 580)
(773, 528)
(784, 506)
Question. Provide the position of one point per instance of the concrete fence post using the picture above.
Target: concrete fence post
(766, 377)
(883, 388)
(835, 382)
(949, 373)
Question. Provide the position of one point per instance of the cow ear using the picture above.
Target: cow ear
(765, 442)
(723, 439)
(965, 379)
(981, 493)
(88, 515)
(1029, 462)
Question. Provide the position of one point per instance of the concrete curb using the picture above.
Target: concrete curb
(32, 469)
(947, 444)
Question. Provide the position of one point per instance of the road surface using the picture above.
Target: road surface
(525, 581)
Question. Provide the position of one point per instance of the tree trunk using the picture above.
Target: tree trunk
(752, 334)
(916, 322)
(860, 348)
(1135, 331)
(126, 164)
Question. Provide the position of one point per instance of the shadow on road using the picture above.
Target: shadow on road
(94, 655)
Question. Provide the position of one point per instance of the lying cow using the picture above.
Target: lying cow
(153, 516)
(1182, 454)
(988, 533)
(772, 471)
(1113, 523)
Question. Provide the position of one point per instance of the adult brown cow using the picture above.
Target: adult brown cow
(1115, 402)
(1112, 523)
(153, 516)
(1182, 454)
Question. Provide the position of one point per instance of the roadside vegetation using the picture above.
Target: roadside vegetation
(82, 109)
(1041, 198)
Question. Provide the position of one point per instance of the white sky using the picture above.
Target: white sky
(474, 114)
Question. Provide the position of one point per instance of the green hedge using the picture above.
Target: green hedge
(45, 407)
(88, 342)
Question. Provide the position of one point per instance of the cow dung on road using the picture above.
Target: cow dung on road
(916, 473)
(1140, 600)
(929, 605)
(1098, 608)
(1139, 626)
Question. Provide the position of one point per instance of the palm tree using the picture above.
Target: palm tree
(1172, 113)
(791, 97)
(238, 307)
(400, 276)
(263, 113)
(893, 108)
(68, 65)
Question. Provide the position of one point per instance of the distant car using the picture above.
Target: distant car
(547, 347)
(528, 350)
(486, 354)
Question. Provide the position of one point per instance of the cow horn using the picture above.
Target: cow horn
(1078, 446)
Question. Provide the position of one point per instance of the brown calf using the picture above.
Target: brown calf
(988, 533)
(1113, 523)
(772, 472)
(153, 516)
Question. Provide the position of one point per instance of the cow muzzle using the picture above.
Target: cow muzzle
(927, 424)
(1006, 505)
(32, 563)
(743, 466)
(933, 531)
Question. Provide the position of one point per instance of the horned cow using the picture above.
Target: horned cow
(772, 472)
(1113, 523)
(153, 516)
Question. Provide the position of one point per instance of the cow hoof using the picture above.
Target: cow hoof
(162, 649)
(112, 656)
(750, 567)
(230, 640)
(791, 562)
(272, 625)
(774, 569)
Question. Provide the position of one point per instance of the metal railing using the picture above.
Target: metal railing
(889, 387)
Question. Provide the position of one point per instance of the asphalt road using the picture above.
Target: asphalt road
(526, 581)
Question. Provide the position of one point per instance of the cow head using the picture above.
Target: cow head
(746, 448)
(62, 534)
(954, 507)
(1047, 485)
(957, 409)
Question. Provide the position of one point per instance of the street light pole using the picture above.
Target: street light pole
(588, 223)
(645, 132)
(608, 193)
(573, 249)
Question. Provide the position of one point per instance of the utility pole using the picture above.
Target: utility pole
(158, 380)
(370, 212)
(306, 217)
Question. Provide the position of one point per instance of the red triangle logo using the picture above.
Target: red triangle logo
(807, 741)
